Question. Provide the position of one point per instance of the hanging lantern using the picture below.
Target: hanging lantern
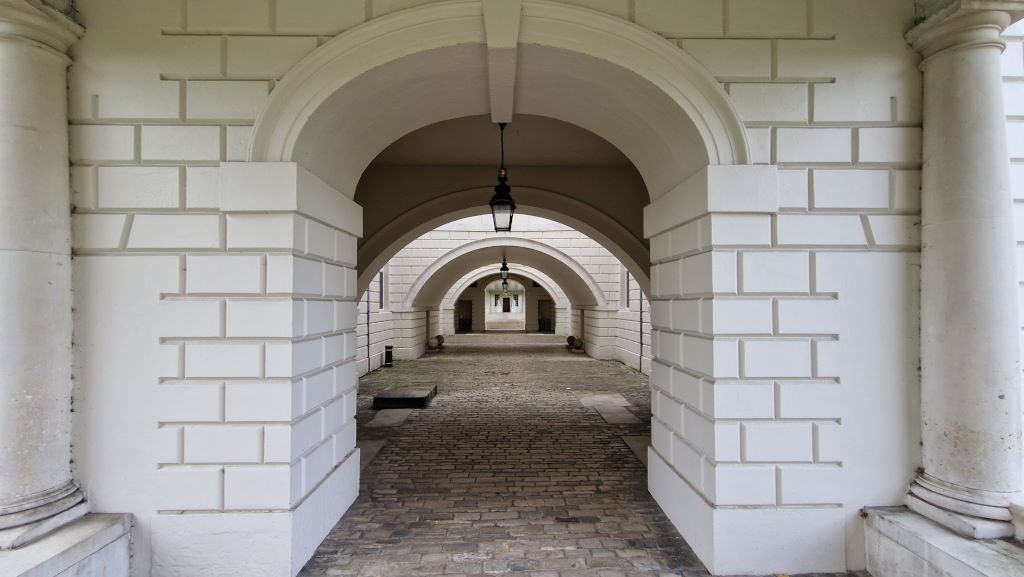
(502, 205)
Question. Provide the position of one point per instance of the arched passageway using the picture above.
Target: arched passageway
(601, 86)
(217, 259)
(560, 172)
(510, 469)
(720, 272)
(479, 303)
(578, 284)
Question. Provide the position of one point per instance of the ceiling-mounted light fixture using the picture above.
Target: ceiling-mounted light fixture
(502, 205)
(504, 287)
(504, 269)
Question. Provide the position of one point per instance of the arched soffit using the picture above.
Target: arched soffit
(486, 275)
(430, 287)
(345, 102)
(376, 250)
(514, 285)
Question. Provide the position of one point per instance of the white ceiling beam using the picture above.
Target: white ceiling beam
(501, 24)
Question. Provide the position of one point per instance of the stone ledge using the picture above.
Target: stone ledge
(404, 398)
(901, 542)
(96, 544)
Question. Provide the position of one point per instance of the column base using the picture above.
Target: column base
(973, 527)
(41, 514)
(25, 534)
(1017, 510)
(971, 513)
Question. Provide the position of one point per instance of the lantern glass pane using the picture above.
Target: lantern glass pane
(502, 214)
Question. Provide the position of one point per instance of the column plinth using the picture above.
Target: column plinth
(37, 493)
(970, 334)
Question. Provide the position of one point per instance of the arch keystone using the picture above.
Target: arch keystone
(501, 25)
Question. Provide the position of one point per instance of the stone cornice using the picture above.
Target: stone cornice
(33, 20)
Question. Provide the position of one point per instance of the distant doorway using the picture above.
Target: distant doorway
(506, 305)
(464, 316)
(545, 316)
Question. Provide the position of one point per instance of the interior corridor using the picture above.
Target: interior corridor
(507, 470)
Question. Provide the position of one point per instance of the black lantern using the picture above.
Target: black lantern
(504, 269)
(504, 287)
(502, 205)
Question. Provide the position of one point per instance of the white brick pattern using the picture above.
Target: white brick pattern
(256, 399)
(728, 290)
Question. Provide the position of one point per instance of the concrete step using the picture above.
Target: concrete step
(404, 398)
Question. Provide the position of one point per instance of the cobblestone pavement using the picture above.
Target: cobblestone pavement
(505, 472)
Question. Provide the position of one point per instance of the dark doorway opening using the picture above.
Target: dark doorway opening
(464, 316)
(545, 316)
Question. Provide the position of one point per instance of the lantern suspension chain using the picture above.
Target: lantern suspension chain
(501, 127)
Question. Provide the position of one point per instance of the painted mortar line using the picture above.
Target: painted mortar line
(224, 55)
(810, 18)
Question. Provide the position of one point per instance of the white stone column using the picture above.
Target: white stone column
(970, 334)
(37, 493)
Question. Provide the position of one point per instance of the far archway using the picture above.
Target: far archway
(434, 282)
(469, 289)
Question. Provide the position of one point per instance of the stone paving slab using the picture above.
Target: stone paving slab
(590, 399)
(404, 398)
(611, 406)
(368, 449)
(389, 418)
(616, 415)
(506, 472)
(638, 444)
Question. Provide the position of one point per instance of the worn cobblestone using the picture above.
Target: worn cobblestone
(505, 472)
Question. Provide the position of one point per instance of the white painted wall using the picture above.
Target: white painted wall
(792, 407)
(236, 403)
(379, 323)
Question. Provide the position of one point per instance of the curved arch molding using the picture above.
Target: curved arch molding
(423, 65)
(433, 283)
(487, 273)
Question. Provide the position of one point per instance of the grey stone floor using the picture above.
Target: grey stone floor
(505, 472)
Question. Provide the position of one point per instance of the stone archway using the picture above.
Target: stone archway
(536, 290)
(326, 121)
(486, 273)
(434, 282)
(418, 67)
(376, 250)
(561, 306)
(633, 89)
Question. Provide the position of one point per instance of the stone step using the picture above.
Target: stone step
(404, 398)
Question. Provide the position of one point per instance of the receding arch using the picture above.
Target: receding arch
(487, 274)
(667, 113)
(432, 284)
(375, 251)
